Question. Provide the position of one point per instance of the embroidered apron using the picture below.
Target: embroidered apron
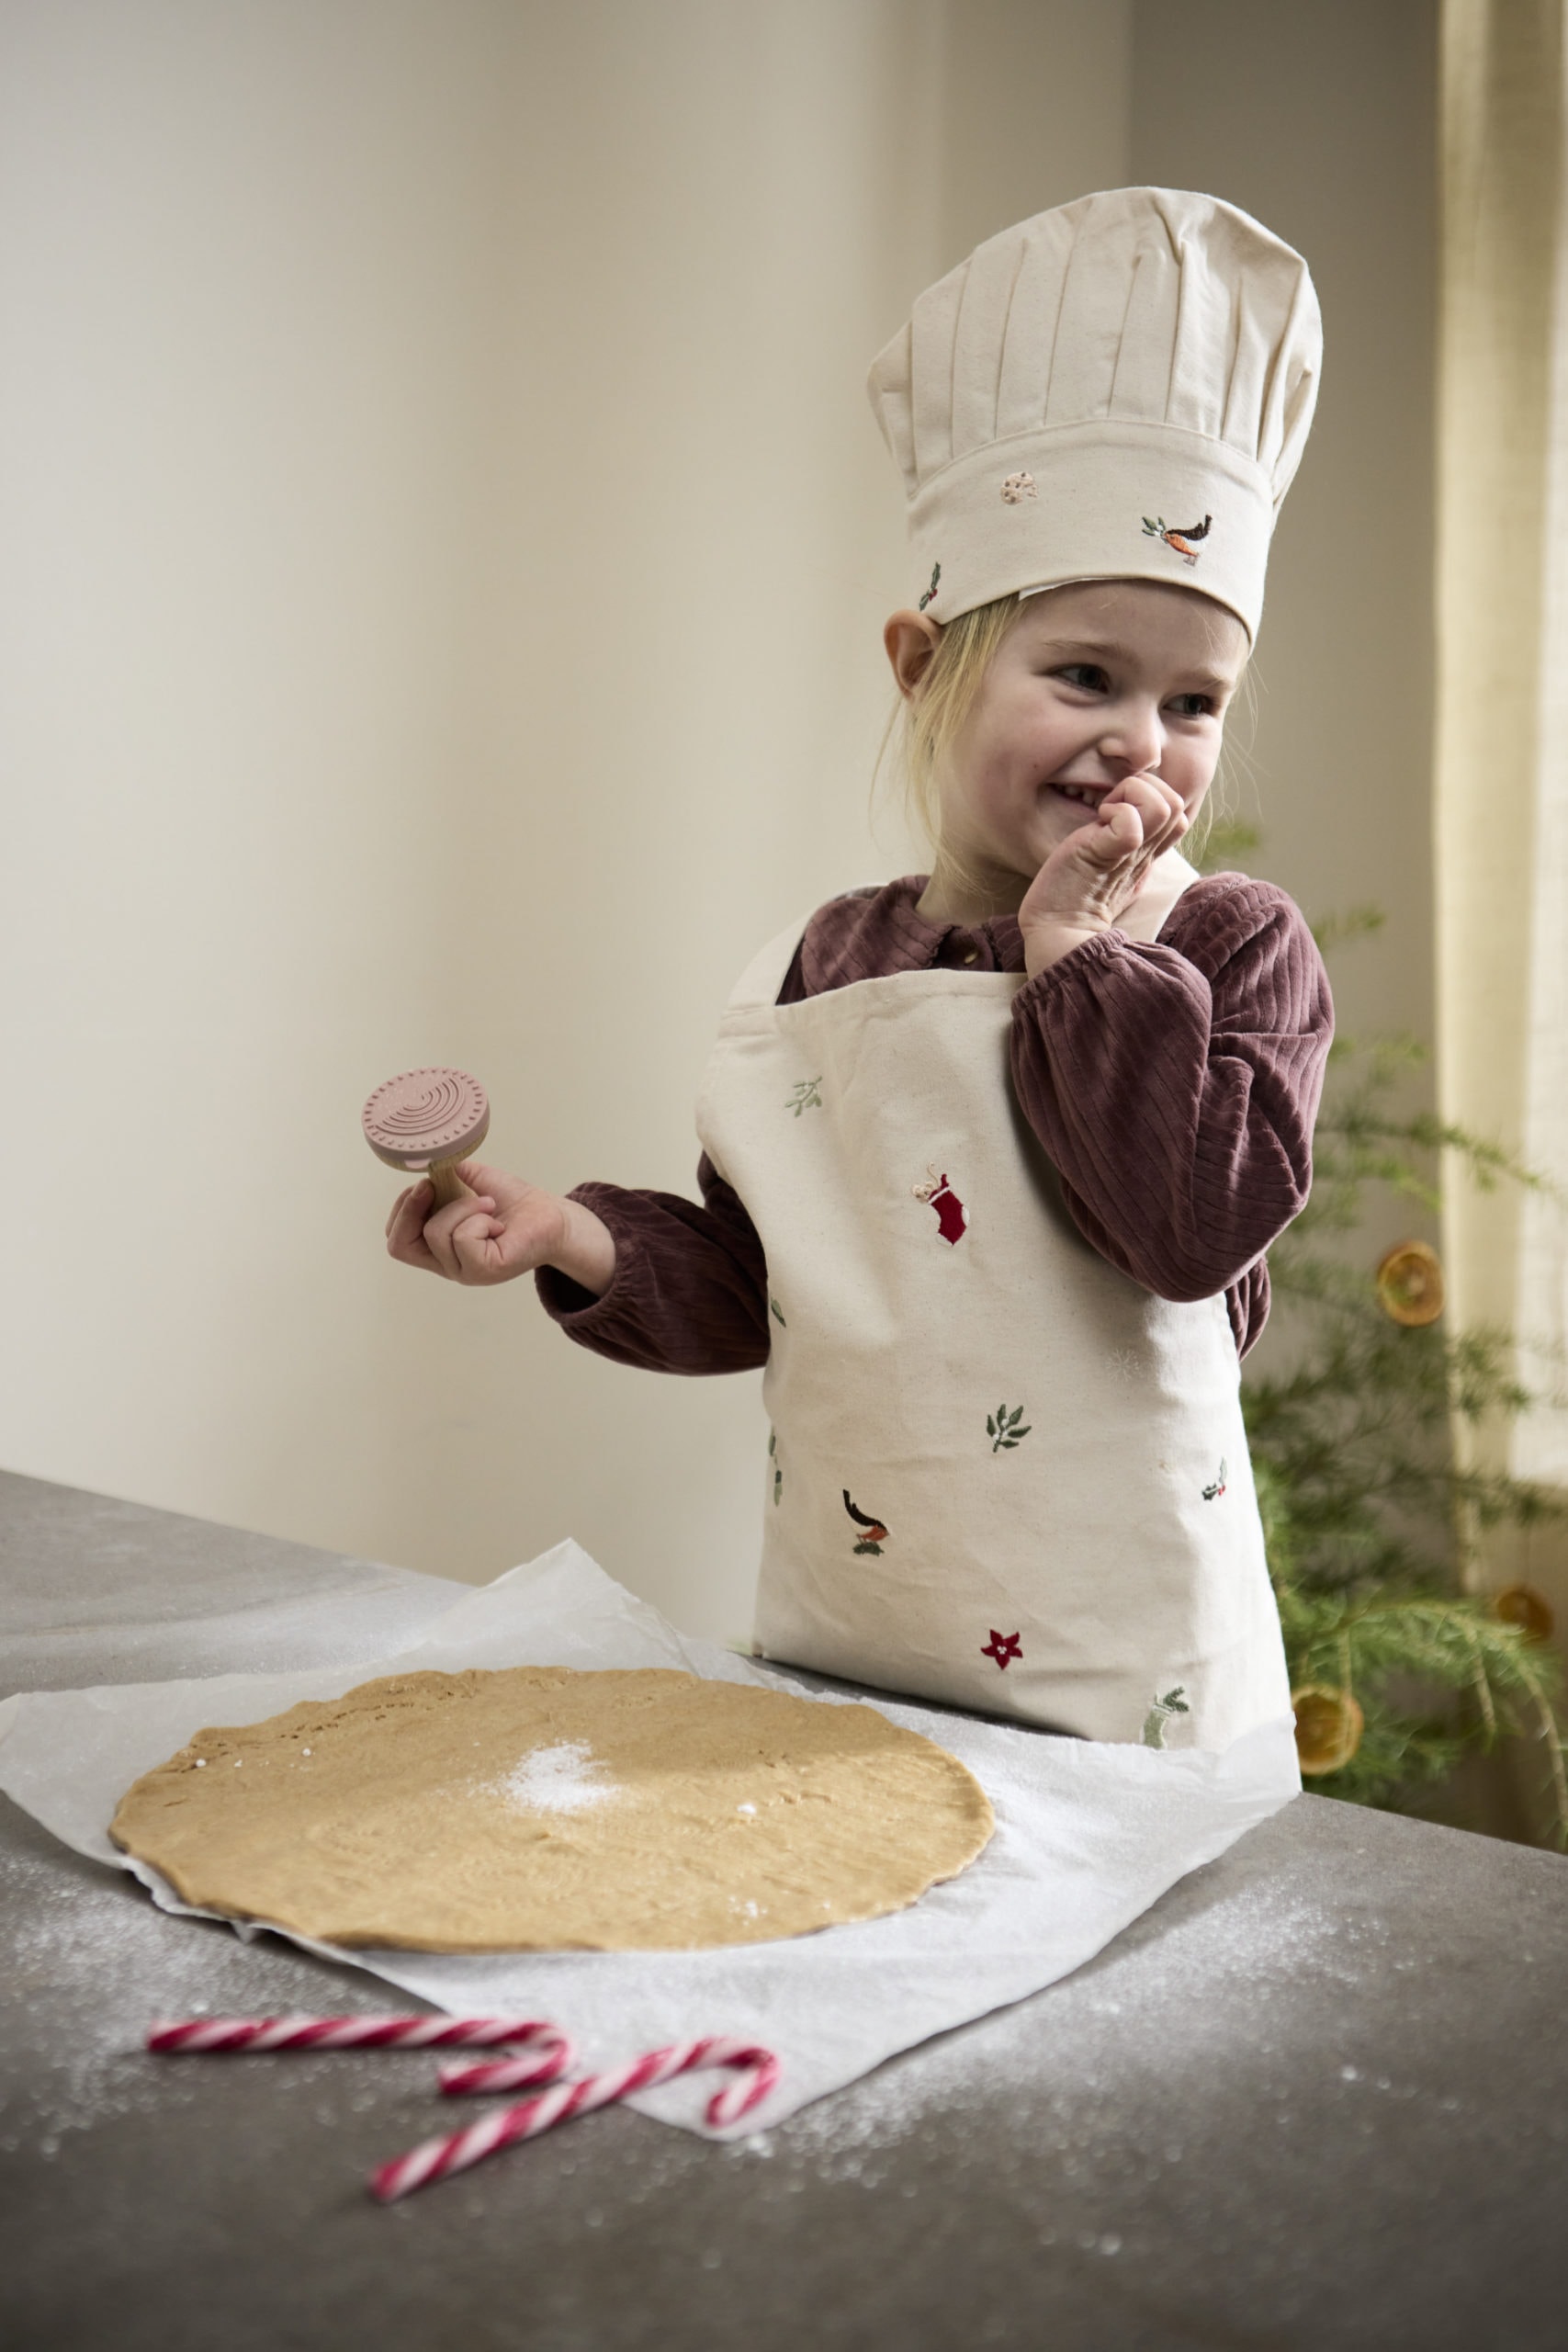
(1001, 1473)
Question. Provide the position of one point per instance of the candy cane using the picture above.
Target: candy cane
(756, 2071)
(206, 2036)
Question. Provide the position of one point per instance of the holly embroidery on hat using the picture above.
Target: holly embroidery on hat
(805, 1095)
(875, 1534)
(1003, 1647)
(1211, 1493)
(931, 592)
(1018, 486)
(1002, 1427)
(950, 1217)
(1159, 1714)
(1179, 538)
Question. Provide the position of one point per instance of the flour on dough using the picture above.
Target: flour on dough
(537, 1809)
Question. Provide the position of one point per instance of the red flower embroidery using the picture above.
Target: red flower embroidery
(1003, 1647)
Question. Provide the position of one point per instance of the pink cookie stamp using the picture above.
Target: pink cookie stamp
(424, 1122)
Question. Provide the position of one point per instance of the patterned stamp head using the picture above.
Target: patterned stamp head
(424, 1115)
(1017, 487)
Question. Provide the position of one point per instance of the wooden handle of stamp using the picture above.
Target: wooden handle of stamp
(445, 1182)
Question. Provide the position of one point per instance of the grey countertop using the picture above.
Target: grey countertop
(1316, 2097)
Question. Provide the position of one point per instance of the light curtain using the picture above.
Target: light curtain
(1501, 786)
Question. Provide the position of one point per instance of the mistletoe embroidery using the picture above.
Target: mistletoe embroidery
(805, 1095)
(1002, 1427)
(1179, 538)
(931, 592)
(1159, 1714)
(875, 1534)
(1003, 1647)
(774, 1458)
(949, 1208)
(1211, 1494)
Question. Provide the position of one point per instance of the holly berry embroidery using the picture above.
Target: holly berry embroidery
(1003, 1647)
(950, 1217)
(874, 1534)
(1181, 538)
(930, 591)
(1212, 1492)
(1173, 1703)
(1002, 1427)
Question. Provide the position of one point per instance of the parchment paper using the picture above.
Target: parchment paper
(1087, 1836)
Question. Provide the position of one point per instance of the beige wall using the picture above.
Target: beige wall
(445, 547)
(1319, 116)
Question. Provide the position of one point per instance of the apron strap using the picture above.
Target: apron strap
(764, 975)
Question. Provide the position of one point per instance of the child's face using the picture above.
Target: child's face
(1092, 684)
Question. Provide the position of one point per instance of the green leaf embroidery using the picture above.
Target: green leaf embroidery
(805, 1095)
(775, 1309)
(1002, 1427)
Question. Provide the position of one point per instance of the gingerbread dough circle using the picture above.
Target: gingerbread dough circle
(540, 1809)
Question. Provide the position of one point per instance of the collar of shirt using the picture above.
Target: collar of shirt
(869, 934)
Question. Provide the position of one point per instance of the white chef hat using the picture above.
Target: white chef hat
(1119, 389)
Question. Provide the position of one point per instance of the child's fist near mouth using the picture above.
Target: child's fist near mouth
(1091, 879)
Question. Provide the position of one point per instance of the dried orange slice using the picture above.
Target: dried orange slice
(1328, 1728)
(1410, 1284)
(1522, 1605)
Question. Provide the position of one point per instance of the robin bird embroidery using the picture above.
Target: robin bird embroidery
(875, 1536)
(1182, 540)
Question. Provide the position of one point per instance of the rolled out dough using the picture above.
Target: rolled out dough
(537, 1808)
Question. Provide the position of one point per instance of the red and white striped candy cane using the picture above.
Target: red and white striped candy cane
(207, 2036)
(756, 2071)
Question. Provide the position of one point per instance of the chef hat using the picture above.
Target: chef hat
(1119, 388)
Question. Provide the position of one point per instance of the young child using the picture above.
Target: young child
(991, 1157)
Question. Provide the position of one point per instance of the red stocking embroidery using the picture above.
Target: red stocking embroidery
(949, 1208)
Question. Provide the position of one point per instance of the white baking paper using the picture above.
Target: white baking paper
(1087, 1836)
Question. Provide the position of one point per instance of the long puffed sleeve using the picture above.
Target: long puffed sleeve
(1174, 1087)
(689, 1293)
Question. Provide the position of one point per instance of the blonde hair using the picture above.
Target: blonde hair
(924, 726)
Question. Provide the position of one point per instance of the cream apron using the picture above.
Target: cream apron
(1000, 1474)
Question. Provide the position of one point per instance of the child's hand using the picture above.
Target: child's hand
(1091, 879)
(503, 1229)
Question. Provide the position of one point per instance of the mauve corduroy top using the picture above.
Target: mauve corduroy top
(1173, 1087)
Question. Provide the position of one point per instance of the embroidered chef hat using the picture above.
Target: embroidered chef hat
(1118, 388)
